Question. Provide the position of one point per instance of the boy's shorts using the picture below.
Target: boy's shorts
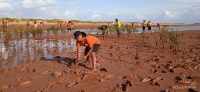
(95, 48)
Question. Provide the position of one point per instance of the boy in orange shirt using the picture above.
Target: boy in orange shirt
(91, 43)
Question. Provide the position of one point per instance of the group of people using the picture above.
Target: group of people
(35, 23)
(149, 25)
(68, 25)
(5, 23)
(92, 43)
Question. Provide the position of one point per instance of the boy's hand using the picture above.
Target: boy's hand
(85, 57)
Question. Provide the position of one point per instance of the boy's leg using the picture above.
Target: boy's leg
(94, 59)
(94, 55)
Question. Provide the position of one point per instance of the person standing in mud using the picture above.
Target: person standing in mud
(143, 25)
(149, 24)
(138, 25)
(118, 26)
(69, 26)
(65, 24)
(92, 45)
(159, 26)
(3, 25)
(7, 23)
(104, 29)
(35, 23)
(13, 22)
(42, 23)
(27, 24)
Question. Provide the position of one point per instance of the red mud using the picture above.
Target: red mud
(120, 68)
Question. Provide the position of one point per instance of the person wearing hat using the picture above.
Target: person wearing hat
(91, 43)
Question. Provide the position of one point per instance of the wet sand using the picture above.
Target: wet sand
(120, 68)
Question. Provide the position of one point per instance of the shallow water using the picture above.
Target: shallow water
(24, 50)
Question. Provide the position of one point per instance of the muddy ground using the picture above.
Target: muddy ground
(134, 63)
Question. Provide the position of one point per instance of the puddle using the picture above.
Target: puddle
(24, 51)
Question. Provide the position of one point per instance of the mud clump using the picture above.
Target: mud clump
(69, 85)
(4, 87)
(57, 74)
(25, 84)
(45, 72)
(5, 70)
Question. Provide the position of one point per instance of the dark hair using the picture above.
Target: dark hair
(83, 34)
(77, 33)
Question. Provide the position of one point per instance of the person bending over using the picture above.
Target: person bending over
(104, 29)
(91, 43)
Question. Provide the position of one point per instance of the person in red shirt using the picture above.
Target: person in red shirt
(91, 43)
(159, 26)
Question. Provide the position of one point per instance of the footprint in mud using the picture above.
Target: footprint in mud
(103, 69)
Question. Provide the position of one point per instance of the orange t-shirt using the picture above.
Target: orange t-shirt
(87, 41)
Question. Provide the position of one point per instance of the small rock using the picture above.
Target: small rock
(146, 80)
(25, 84)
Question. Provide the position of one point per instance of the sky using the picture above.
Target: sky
(164, 11)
